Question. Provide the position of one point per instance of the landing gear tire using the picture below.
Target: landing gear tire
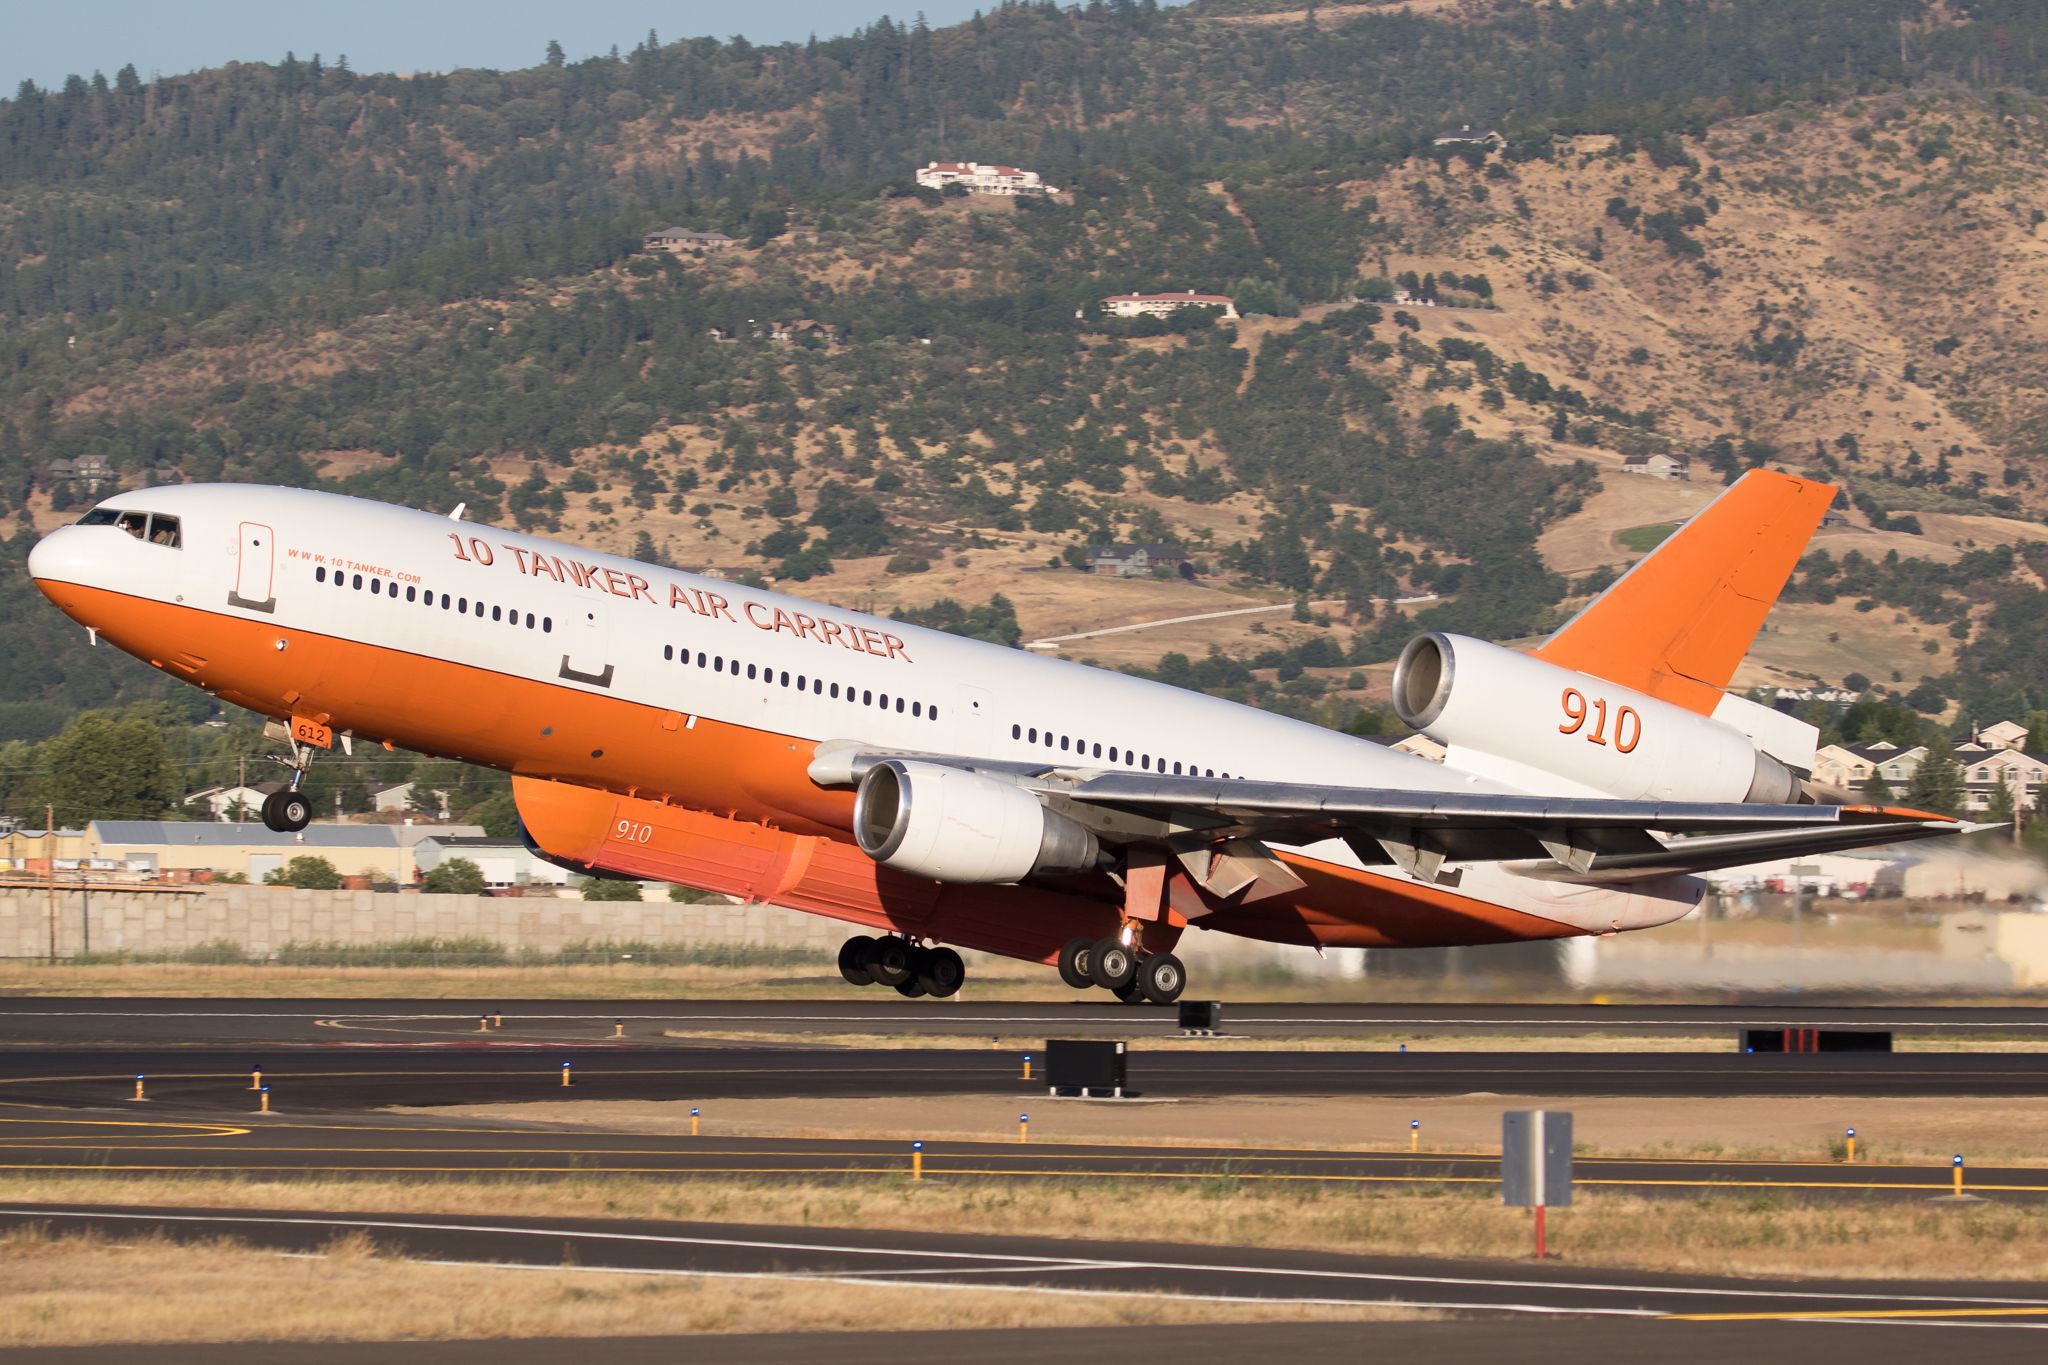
(941, 972)
(1162, 978)
(1074, 963)
(888, 962)
(287, 812)
(911, 989)
(1111, 964)
(853, 960)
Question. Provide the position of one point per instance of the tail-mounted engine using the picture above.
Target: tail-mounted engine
(957, 826)
(1534, 723)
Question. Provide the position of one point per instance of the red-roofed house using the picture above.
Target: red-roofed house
(980, 179)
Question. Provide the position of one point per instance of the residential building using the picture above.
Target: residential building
(1848, 766)
(1677, 468)
(233, 802)
(396, 798)
(89, 471)
(1469, 136)
(1137, 561)
(802, 329)
(1986, 767)
(2004, 735)
(677, 240)
(983, 179)
(1159, 305)
(503, 862)
(379, 852)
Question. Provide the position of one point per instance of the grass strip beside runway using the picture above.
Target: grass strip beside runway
(1735, 1233)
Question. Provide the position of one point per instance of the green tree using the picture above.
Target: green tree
(1875, 790)
(499, 815)
(107, 768)
(307, 872)
(604, 889)
(1937, 784)
(455, 877)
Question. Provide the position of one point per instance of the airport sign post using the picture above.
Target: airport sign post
(1536, 1163)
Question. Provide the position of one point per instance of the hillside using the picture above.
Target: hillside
(1747, 233)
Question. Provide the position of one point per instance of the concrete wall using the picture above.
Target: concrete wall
(262, 919)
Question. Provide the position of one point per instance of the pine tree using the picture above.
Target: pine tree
(1937, 784)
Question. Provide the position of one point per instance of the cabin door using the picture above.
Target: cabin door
(255, 565)
(974, 725)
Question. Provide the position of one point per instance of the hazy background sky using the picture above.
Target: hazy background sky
(45, 41)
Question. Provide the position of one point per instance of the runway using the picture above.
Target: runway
(938, 1261)
(492, 1070)
(56, 1021)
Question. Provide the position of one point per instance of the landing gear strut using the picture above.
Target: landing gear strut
(910, 968)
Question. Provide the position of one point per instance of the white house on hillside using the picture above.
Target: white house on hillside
(982, 179)
(1159, 305)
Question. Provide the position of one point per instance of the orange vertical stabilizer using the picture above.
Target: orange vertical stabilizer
(1678, 623)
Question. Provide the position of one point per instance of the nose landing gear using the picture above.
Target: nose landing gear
(288, 811)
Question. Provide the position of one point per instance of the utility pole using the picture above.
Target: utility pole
(50, 846)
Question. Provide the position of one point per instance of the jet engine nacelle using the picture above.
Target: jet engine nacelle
(1538, 721)
(956, 826)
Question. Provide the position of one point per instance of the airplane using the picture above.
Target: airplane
(942, 792)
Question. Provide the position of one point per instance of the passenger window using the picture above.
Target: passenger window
(356, 582)
(750, 673)
(1034, 734)
(700, 658)
(884, 700)
(163, 531)
(867, 698)
(320, 574)
(916, 709)
(376, 588)
(718, 664)
(835, 691)
(785, 677)
(668, 652)
(529, 620)
(1098, 751)
(547, 624)
(411, 593)
(934, 714)
(1063, 743)
(899, 706)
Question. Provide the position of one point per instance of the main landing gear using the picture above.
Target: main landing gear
(910, 968)
(1118, 967)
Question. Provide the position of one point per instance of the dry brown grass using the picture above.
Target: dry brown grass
(1738, 1235)
(86, 1289)
(1891, 1131)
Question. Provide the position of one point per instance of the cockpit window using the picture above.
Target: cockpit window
(157, 529)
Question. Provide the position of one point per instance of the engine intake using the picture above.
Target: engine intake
(1530, 723)
(956, 826)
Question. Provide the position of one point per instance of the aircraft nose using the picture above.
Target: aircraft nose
(59, 557)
